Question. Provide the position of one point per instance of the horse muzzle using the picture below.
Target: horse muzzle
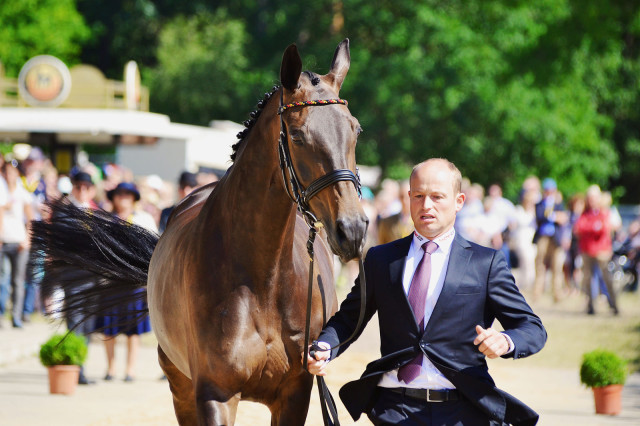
(347, 236)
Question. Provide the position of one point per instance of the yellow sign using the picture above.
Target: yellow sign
(44, 81)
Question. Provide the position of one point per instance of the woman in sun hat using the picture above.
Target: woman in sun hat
(124, 197)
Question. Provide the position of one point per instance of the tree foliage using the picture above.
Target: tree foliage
(36, 27)
(202, 69)
(503, 88)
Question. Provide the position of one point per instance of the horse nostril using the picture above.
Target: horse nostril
(342, 231)
(351, 230)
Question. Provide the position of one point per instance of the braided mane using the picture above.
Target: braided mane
(248, 124)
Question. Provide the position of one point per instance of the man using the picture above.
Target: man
(550, 218)
(436, 331)
(397, 225)
(34, 183)
(186, 183)
(83, 191)
(82, 195)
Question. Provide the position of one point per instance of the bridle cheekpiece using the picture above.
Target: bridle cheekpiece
(294, 188)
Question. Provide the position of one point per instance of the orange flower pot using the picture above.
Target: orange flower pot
(63, 379)
(608, 399)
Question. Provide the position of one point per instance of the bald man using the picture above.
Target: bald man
(437, 296)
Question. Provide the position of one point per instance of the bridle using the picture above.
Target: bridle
(294, 188)
(301, 197)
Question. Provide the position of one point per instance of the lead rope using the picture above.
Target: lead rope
(327, 403)
(301, 198)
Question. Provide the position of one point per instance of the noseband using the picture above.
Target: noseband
(296, 192)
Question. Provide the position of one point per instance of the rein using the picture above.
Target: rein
(301, 197)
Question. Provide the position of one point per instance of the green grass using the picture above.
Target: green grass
(571, 332)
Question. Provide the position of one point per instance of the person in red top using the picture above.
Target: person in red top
(593, 230)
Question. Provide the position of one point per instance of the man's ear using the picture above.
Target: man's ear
(460, 200)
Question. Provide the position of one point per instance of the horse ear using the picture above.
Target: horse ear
(340, 64)
(291, 68)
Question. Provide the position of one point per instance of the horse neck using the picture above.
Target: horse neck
(258, 214)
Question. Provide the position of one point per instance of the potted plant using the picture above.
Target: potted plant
(63, 354)
(605, 372)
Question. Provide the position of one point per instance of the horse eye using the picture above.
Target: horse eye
(358, 131)
(296, 137)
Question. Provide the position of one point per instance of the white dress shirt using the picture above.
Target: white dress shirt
(430, 377)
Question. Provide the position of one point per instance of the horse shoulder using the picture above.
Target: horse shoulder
(191, 205)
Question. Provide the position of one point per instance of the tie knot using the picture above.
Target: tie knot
(430, 247)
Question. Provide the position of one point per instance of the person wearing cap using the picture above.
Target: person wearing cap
(186, 183)
(551, 216)
(123, 197)
(83, 191)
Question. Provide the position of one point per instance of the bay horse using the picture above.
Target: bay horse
(227, 281)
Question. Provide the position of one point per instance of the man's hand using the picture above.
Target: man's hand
(318, 363)
(492, 343)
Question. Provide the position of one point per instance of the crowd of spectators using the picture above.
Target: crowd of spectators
(28, 180)
(564, 248)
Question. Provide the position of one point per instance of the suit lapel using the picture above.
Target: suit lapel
(458, 262)
(396, 272)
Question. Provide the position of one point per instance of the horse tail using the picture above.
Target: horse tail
(100, 261)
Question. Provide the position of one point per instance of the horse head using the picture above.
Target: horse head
(321, 142)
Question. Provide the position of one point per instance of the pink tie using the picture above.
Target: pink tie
(418, 299)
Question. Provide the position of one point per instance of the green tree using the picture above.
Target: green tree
(504, 88)
(36, 27)
(474, 81)
(202, 70)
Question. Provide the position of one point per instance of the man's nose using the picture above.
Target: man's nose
(427, 204)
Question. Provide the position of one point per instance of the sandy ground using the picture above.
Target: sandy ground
(555, 393)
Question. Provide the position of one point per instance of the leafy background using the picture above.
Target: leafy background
(503, 88)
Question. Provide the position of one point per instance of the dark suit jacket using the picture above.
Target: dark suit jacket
(478, 288)
(542, 218)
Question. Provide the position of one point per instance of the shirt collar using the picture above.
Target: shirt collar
(444, 241)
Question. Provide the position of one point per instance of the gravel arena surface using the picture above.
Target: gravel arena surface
(556, 393)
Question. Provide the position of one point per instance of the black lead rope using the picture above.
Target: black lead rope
(327, 403)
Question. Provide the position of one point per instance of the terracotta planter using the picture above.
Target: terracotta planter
(63, 379)
(608, 399)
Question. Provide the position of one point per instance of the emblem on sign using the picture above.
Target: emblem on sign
(44, 81)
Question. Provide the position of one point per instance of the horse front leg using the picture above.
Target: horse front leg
(213, 407)
(293, 402)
